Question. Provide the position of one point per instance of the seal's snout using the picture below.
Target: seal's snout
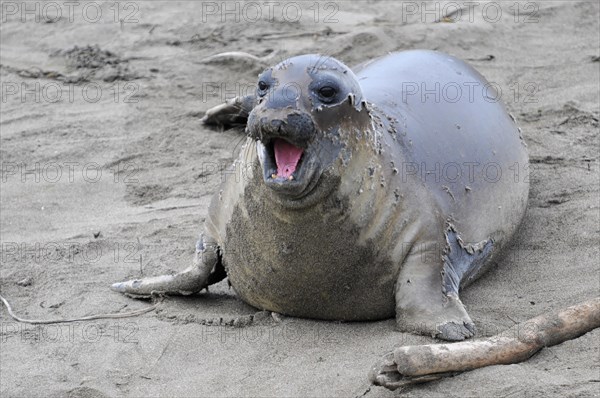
(267, 124)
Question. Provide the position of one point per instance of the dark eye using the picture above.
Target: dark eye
(262, 87)
(327, 92)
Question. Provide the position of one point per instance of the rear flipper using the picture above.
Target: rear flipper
(463, 263)
(427, 302)
(207, 270)
(233, 113)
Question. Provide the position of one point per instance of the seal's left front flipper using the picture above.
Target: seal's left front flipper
(233, 113)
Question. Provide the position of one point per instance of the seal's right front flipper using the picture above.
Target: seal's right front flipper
(233, 113)
(207, 270)
(185, 282)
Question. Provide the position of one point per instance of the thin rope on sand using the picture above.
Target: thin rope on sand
(85, 318)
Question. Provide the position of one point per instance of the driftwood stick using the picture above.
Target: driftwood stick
(422, 363)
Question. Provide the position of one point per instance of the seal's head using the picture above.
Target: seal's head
(304, 104)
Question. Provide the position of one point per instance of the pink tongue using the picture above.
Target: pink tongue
(287, 157)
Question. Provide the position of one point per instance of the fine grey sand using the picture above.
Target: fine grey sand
(107, 173)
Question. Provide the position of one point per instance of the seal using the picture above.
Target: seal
(360, 195)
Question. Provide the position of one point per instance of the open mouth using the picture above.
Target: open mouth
(287, 159)
(294, 173)
(288, 169)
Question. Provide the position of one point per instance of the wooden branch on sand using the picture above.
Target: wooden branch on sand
(422, 363)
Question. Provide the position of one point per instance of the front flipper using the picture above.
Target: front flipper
(207, 270)
(233, 113)
(427, 300)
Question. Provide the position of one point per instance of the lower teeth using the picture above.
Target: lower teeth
(274, 176)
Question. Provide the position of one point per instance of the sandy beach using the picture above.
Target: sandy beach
(107, 173)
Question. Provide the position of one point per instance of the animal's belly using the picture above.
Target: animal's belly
(317, 271)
